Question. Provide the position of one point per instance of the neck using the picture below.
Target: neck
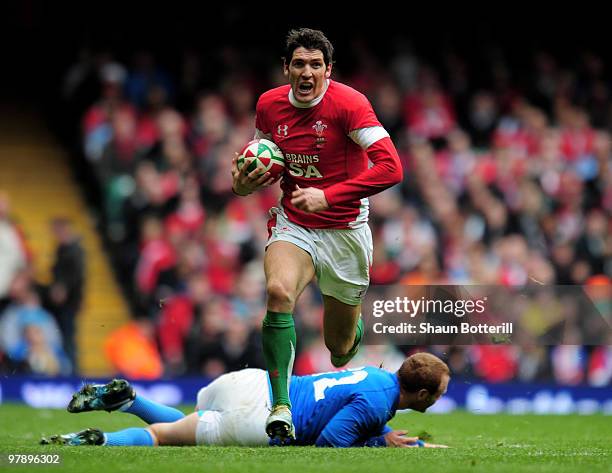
(296, 103)
(404, 402)
(406, 399)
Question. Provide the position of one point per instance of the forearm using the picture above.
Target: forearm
(376, 442)
(379, 440)
(386, 172)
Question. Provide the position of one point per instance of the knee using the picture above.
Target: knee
(280, 297)
(153, 430)
(210, 428)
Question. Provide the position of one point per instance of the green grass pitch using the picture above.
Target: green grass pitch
(491, 443)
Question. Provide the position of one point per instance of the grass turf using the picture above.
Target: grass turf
(492, 443)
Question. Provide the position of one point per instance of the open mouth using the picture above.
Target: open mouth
(305, 88)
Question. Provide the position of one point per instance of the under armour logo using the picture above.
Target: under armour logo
(282, 130)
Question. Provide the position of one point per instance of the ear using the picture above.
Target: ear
(422, 394)
(328, 71)
(285, 69)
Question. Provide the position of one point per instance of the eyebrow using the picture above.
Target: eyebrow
(308, 59)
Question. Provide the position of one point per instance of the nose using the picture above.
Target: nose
(307, 72)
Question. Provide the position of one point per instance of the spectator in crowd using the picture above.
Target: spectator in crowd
(65, 292)
(96, 122)
(145, 79)
(176, 319)
(132, 350)
(29, 335)
(14, 253)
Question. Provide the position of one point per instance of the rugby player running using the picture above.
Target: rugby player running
(328, 133)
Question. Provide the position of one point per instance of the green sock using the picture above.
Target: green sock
(278, 338)
(358, 334)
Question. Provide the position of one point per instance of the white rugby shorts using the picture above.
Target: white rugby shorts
(341, 257)
(233, 409)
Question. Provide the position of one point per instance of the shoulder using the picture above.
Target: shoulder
(347, 97)
(380, 379)
(375, 371)
(273, 95)
(380, 394)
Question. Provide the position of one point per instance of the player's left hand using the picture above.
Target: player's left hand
(309, 199)
(434, 445)
(397, 438)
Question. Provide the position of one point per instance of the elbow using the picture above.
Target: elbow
(321, 442)
(394, 163)
(396, 174)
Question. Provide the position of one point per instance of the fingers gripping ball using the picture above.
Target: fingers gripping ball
(264, 155)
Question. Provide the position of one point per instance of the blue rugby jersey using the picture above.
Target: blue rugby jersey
(344, 408)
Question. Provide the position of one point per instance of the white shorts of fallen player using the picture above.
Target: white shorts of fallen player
(233, 409)
(341, 258)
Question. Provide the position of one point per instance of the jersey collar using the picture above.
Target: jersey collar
(310, 104)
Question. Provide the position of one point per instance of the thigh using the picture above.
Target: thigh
(290, 265)
(290, 253)
(234, 411)
(179, 433)
(238, 427)
(344, 260)
(234, 390)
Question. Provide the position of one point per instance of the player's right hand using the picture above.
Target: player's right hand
(245, 183)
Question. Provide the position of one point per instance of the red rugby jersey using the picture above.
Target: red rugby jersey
(326, 144)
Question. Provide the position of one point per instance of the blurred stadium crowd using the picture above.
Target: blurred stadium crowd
(508, 181)
(37, 322)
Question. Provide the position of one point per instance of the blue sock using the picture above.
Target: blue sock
(134, 437)
(152, 412)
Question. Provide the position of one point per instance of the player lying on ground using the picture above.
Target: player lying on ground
(338, 409)
(328, 133)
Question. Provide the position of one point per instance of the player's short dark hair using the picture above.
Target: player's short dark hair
(422, 371)
(309, 39)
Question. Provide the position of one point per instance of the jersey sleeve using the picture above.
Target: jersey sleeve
(359, 114)
(362, 127)
(261, 125)
(385, 172)
(349, 425)
(377, 440)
